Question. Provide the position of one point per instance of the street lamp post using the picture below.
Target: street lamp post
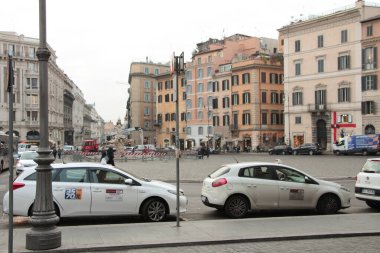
(43, 234)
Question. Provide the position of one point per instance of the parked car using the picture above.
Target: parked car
(367, 187)
(25, 159)
(93, 189)
(308, 149)
(240, 187)
(281, 150)
(68, 148)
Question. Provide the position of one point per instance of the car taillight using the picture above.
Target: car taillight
(17, 185)
(219, 182)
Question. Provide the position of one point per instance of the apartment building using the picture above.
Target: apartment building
(323, 73)
(65, 98)
(370, 75)
(141, 105)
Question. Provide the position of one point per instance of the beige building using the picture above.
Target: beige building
(323, 72)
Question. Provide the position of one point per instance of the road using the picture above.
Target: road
(341, 169)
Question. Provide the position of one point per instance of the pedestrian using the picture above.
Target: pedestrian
(59, 152)
(104, 158)
(54, 151)
(110, 155)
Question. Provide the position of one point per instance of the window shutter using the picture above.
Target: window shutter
(348, 61)
(363, 83)
(249, 98)
(375, 82)
(339, 67)
(301, 101)
(316, 97)
(294, 98)
(348, 94)
(363, 58)
(363, 107)
(375, 57)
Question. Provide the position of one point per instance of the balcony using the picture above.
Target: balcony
(234, 127)
(157, 123)
(318, 108)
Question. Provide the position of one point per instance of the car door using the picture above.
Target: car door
(295, 192)
(260, 186)
(110, 194)
(72, 191)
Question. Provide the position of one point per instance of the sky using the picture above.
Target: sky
(97, 40)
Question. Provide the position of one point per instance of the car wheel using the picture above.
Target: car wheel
(373, 204)
(328, 204)
(294, 152)
(337, 152)
(154, 210)
(311, 152)
(236, 207)
(365, 152)
(283, 153)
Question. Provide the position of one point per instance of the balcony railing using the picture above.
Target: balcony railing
(318, 107)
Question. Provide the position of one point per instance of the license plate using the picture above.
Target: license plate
(368, 191)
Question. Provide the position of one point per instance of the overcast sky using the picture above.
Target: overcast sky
(96, 40)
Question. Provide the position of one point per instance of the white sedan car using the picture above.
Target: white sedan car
(240, 187)
(367, 187)
(26, 159)
(92, 189)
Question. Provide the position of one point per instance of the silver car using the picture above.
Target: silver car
(240, 187)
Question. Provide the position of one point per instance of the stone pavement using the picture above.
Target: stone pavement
(206, 232)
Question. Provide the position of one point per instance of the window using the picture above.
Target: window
(199, 61)
(245, 78)
(72, 175)
(159, 86)
(321, 65)
(146, 97)
(209, 71)
(297, 46)
(167, 85)
(320, 41)
(159, 118)
(108, 177)
(167, 98)
(200, 87)
(369, 30)
(209, 58)
(275, 118)
(297, 69)
(156, 72)
(146, 111)
(369, 82)
(369, 58)
(173, 117)
(188, 104)
(226, 120)
(263, 97)
(146, 70)
(209, 86)
(167, 116)
(200, 130)
(320, 97)
(188, 130)
(226, 102)
(146, 85)
(297, 98)
(343, 36)
(368, 107)
(263, 77)
(298, 120)
(344, 94)
(235, 99)
(200, 102)
(200, 73)
(246, 98)
(188, 75)
(264, 118)
(31, 83)
(273, 78)
(274, 98)
(215, 103)
(32, 52)
(188, 89)
(235, 80)
(246, 118)
(11, 49)
(343, 62)
(225, 85)
(215, 86)
(184, 96)
(215, 121)
(344, 118)
(188, 117)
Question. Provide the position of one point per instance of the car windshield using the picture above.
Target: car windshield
(221, 171)
(28, 156)
(372, 166)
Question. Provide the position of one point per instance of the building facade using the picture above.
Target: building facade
(323, 73)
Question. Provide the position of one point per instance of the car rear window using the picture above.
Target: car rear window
(219, 172)
(371, 166)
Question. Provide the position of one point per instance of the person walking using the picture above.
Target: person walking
(54, 151)
(103, 158)
(110, 154)
(59, 152)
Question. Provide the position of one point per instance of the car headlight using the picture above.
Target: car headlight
(344, 188)
(181, 193)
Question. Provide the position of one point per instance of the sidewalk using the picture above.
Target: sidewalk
(151, 235)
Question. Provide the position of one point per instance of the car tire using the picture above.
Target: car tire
(373, 204)
(328, 204)
(236, 207)
(311, 152)
(337, 152)
(294, 152)
(154, 210)
(283, 153)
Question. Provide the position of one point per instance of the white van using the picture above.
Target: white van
(148, 147)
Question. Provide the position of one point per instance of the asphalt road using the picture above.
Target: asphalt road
(340, 169)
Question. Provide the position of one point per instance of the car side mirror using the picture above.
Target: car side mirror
(128, 181)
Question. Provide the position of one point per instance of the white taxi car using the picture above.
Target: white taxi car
(25, 159)
(93, 189)
(367, 187)
(240, 187)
